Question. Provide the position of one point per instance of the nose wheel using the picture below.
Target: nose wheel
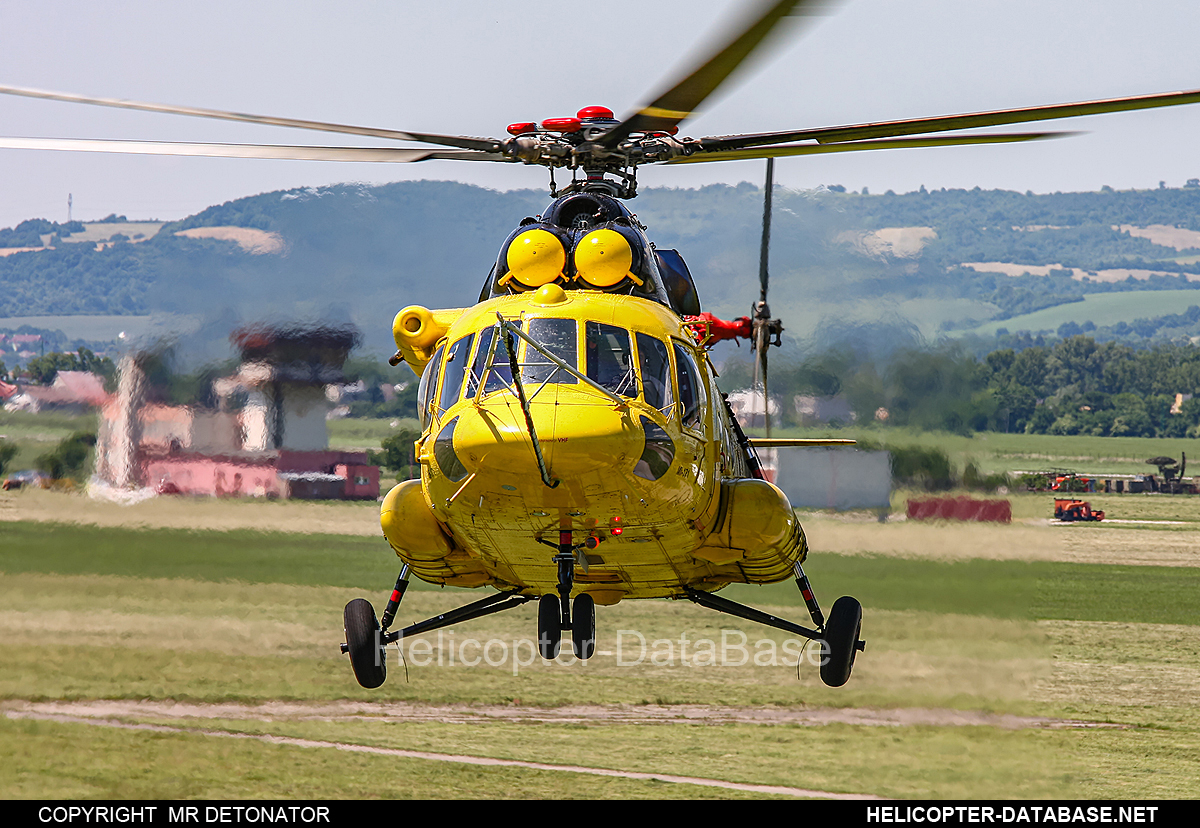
(583, 627)
(582, 624)
(549, 627)
(555, 611)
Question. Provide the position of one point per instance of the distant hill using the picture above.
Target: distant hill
(931, 263)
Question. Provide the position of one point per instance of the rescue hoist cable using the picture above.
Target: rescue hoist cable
(510, 346)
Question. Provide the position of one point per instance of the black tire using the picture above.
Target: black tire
(583, 626)
(367, 656)
(841, 636)
(549, 626)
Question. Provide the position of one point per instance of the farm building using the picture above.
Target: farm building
(70, 391)
(747, 405)
(263, 435)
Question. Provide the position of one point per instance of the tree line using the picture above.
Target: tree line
(1075, 385)
(44, 369)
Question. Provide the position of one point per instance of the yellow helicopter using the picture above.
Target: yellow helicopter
(575, 448)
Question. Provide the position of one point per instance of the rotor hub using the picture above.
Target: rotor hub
(576, 143)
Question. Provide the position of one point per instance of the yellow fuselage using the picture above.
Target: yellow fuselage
(685, 510)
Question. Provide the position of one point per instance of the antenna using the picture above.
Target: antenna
(70, 200)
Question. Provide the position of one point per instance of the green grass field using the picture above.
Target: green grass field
(36, 434)
(997, 452)
(1101, 308)
(996, 678)
(365, 432)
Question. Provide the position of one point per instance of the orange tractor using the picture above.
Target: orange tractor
(1073, 510)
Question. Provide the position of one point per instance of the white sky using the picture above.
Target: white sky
(472, 67)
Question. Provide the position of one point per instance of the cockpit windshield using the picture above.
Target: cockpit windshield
(609, 361)
(559, 337)
(500, 375)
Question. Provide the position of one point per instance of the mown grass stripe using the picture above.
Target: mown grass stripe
(1027, 590)
(429, 756)
(235, 555)
(1000, 589)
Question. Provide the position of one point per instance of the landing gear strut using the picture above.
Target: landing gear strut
(366, 640)
(839, 637)
(554, 612)
(364, 635)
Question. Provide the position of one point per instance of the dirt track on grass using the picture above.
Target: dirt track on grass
(396, 712)
(92, 715)
(188, 719)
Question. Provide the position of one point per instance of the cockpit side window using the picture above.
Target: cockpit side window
(501, 373)
(610, 358)
(691, 390)
(655, 364)
(455, 371)
(429, 378)
(559, 337)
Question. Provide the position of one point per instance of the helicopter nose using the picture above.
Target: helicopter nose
(587, 438)
(574, 439)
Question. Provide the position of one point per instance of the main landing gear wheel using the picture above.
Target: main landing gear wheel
(583, 626)
(841, 640)
(549, 626)
(368, 656)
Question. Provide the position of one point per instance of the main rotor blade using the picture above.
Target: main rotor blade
(293, 153)
(754, 380)
(796, 442)
(945, 123)
(855, 146)
(682, 100)
(763, 278)
(483, 144)
(764, 345)
(765, 249)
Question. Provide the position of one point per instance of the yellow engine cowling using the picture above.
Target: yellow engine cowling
(421, 542)
(757, 529)
(418, 330)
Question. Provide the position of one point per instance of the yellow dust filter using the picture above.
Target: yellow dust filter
(535, 258)
(603, 258)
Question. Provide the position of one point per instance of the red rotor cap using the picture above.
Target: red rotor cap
(522, 128)
(594, 112)
(561, 124)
